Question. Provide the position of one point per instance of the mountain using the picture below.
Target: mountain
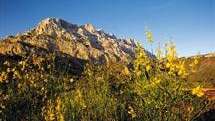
(77, 42)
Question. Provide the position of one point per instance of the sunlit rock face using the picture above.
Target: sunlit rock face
(79, 41)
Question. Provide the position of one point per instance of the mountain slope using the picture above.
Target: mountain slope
(78, 43)
(83, 42)
(205, 71)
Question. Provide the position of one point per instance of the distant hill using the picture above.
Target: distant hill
(205, 72)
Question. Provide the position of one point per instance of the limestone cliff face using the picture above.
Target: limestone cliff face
(82, 42)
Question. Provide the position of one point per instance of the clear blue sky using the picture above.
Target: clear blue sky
(189, 23)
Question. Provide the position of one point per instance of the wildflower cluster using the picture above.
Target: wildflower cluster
(149, 36)
(198, 91)
(142, 62)
(79, 99)
(162, 79)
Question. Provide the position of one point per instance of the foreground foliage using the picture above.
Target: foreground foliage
(146, 89)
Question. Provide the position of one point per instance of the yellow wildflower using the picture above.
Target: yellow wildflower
(198, 91)
(148, 67)
(196, 61)
(58, 109)
(171, 51)
(49, 112)
(79, 99)
(50, 116)
(159, 53)
(167, 65)
(149, 36)
(181, 69)
(155, 81)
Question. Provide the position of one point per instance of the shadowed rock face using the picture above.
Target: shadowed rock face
(82, 42)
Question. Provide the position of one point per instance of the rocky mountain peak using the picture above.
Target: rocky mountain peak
(54, 22)
(89, 27)
(84, 42)
(55, 27)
